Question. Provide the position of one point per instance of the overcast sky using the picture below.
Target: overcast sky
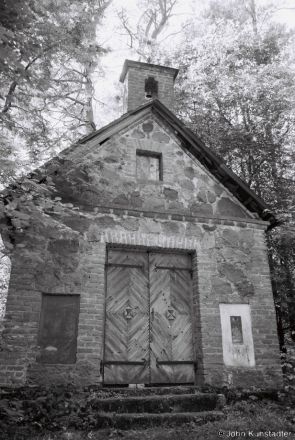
(113, 37)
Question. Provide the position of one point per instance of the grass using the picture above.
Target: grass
(245, 419)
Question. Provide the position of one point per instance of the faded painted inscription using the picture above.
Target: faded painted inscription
(236, 329)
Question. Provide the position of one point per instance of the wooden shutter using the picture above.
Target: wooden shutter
(127, 318)
(58, 329)
(171, 338)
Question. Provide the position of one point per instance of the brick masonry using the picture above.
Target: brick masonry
(188, 210)
(134, 84)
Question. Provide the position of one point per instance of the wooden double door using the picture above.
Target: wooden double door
(148, 319)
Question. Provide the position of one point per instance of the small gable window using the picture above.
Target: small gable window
(148, 165)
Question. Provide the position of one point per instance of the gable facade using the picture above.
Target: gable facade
(157, 277)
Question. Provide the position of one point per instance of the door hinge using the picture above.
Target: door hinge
(144, 361)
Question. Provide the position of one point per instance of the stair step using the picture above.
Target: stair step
(147, 391)
(147, 420)
(183, 403)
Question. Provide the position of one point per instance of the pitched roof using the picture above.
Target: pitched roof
(197, 148)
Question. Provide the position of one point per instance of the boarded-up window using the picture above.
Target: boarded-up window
(58, 329)
(148, 165)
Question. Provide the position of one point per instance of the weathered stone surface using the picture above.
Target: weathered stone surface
(176, 206)
(170, 193)
(204, 177)
(189, 172)
(98, 164)
(148, 127)
(194, 230)
(209, 227)
(77, 223)
(91, 197)
(112, 159)
(232, 255)
(104, 182)
(220, 286)
(121, 200)
(136, 201)
(154, 203)
(245, 288)
(232, 273)
(130, 224)
(63, 246)
(159, 136)
(246, 239)
(208, 241)
(230, 238)
(106, 221)
(157, 404)
(45, 278)
(138, 134)
(202, 209)
(202, 196)
(228, 208)
(211, 197)
(94, 233)
(149, 226)
(80, 374)
(170, 227)
(245, 377)
(187, 184)
(218, 189)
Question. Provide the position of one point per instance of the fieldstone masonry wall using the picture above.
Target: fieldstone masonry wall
(188, 210)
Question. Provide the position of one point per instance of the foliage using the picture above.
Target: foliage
(48, 54)
(236, 89)
(288, 364)
(34, 412)
(154, 16)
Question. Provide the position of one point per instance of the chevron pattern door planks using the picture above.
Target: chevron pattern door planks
(127, 318)
(148, 317)
(171, 337)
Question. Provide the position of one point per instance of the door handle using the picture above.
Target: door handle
(152, 314)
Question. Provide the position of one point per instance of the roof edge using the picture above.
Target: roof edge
(140, 65)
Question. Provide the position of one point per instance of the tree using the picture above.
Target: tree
(48, 54)
(236, 89)
(48, 51)
(143, 36)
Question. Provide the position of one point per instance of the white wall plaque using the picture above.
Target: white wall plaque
(237, 340)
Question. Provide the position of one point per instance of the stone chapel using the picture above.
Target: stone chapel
(157, 274)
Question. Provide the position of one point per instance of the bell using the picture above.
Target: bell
(151, 87)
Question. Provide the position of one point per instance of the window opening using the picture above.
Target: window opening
(148, 165)
(151, 87)
(58, 329)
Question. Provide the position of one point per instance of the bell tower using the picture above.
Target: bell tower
(143, 81)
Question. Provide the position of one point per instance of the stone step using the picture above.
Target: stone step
(147, 391)
(182, 403)
(147, 420)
